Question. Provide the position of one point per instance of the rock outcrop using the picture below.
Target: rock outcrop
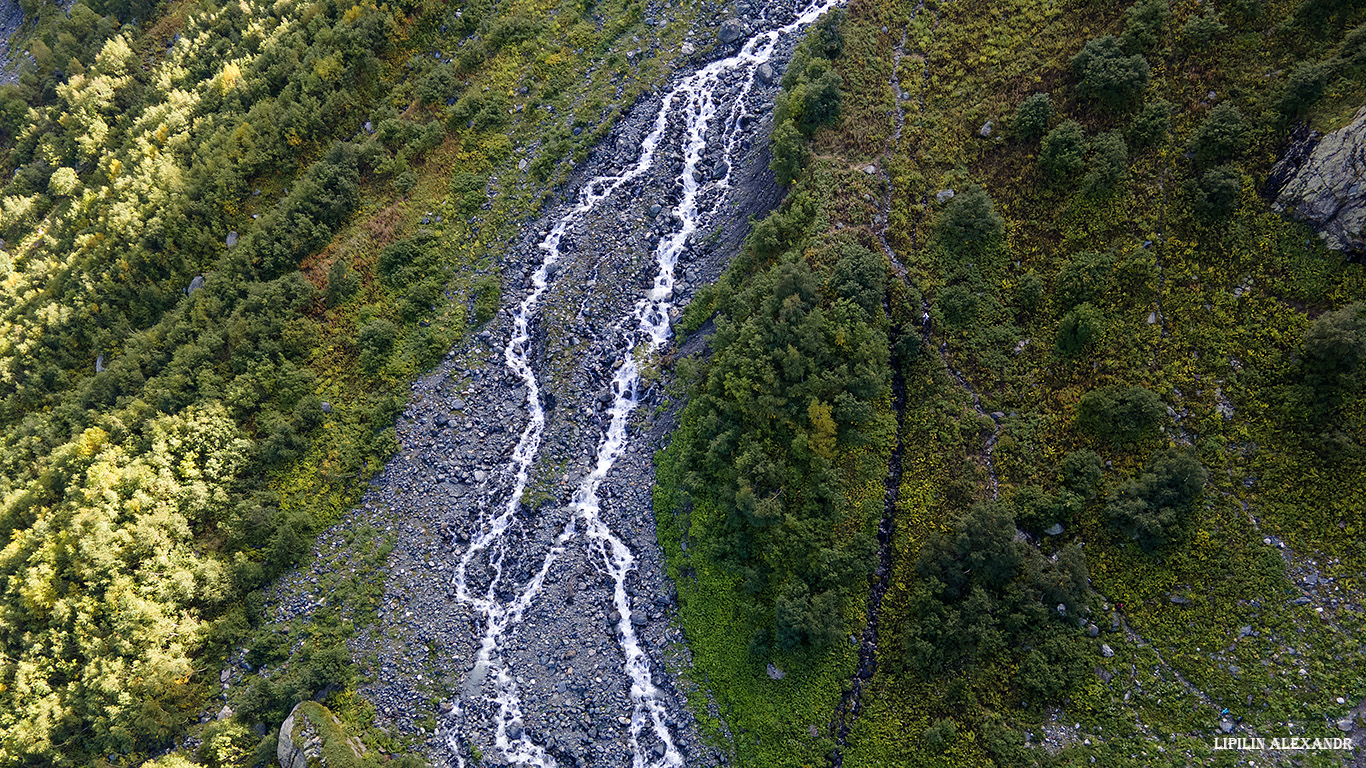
(1322, 179)
(312, 737)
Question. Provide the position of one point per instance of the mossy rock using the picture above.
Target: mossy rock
(312, 737)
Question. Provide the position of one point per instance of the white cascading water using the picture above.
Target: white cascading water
(650, 327)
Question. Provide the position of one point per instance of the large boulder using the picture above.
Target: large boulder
(1322, 179)
(312, 737)
(731, 30)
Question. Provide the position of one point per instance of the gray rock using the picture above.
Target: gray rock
(1092, 630)
(195, 284)
(1345, 725)
(99, 363)
(1054, 529)
(775, 673)
(764, 73)
(231, 239)
(1106, 650)
(289, 754)
(1323, 181)
(1179, 599)
(731, 30)
(326, 407)
(985, 130)
(943, 196)
(1226, 726)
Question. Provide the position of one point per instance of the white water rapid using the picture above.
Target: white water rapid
(644, 330)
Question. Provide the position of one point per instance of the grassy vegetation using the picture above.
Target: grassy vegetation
(1142, 297)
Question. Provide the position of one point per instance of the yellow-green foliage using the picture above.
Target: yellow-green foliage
(129, 153)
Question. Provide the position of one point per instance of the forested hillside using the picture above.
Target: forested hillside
(232, 234)
(1028, 270)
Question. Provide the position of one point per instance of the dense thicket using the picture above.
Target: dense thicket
(986, 596)
(801, 360)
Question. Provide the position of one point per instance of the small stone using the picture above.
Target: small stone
(1054, 529)
(231, 239)
(523, 164)
(1092, 630)
(943, 196)
(1106, 650)
(195, 284)
(985, 130)
(1345, 725)
(774, 672)
(655, 209)
(1152, 318)
(457, 404)
(764, 73)
(870, 169)
(1226, 726)
(1246, 631)
(1179, 599)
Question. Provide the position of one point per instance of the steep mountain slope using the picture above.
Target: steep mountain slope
(1127, 502)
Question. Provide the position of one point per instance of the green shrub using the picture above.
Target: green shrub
(1032, 117)
(468, 191)
(1216, 195)
(1037, 510)
(985, 595)
(1199, 30)
(342, 282)
(1080, 329)
(376, 341)
(1152, 124)
(789, 152)
(488, 293)
(1108, 164)
(957, 306)
(1121, 415)
(1156, 507)
(1304, 88)
(1062, 154)
(1222, 135)
(1334, 346)
(1144, 24)
(1084, 279)
(969, 227)
(1107, 75)
(941, 735)
(1030, 291)
(1081, 471)
(436, 86)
